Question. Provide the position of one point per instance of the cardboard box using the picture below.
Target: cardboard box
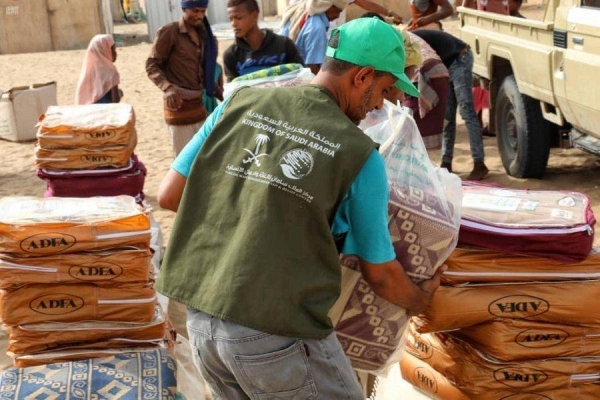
(20, 109)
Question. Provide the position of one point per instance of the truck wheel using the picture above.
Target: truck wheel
(523, 133)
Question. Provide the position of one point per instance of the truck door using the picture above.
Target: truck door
(582, 65)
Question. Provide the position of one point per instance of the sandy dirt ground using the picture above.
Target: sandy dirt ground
(568, 169)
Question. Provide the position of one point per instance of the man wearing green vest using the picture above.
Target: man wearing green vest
(264, 195)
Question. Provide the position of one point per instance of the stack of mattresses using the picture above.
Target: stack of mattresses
(88, 150)
(76, 278)
(519, 323)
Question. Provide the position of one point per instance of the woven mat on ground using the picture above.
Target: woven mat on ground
(145, 375)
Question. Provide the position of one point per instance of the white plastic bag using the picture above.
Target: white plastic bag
(424, 212)
(407, 162)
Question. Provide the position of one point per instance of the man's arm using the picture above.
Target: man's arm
(229, 64)
(444, 10)
(363, 214)
(374, 7)
(171, 190)
(390, 282)
(161, 50)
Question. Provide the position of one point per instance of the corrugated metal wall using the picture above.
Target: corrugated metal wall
(159, 13)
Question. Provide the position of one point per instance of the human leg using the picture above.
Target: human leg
(449, 132)
(242, 363)
(461, 73)
(182, 134)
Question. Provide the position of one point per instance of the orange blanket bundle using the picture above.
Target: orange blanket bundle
(87, 126)
(74, 303)
(482, 265)
(455, 307)
(76, 278)
(84, 158)
(54, 336)
(34, 227)
(516, 340)
(477, 374)
(102, 268)
(423, 376)
(86, 137)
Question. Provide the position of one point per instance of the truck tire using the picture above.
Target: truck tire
(522, 132)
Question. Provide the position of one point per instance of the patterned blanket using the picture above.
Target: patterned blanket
(147, 375)
(368, 327)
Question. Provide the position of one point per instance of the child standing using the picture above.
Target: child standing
(99, 79)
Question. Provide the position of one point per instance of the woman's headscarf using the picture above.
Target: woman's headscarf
(98, 73)
(299, 11)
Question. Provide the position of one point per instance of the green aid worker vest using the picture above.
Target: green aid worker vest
(252, 242)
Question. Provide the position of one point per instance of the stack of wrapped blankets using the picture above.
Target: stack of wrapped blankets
(88, 150)
(76, 279)
(515, 316)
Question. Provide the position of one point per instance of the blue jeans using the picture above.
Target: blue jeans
(243, 363)
(461, 96)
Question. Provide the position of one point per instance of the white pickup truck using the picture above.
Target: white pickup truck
(544, 78)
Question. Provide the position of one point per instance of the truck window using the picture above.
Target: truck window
(591, 3)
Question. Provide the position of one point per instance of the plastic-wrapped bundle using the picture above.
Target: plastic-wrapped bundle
(128, 180)
(546, 223)
(57, 336)
(102, 268)
(279, 76)
(455, 307)
(34, 304)
(83, 157)
(478, 374)
(424, 213)
(87, 126)
(32, 227)
(368, 327)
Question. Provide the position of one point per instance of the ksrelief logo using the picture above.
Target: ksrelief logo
(425, 380)
(98, 271)
(56, 304)
(520, 378)
(538, 340)
(296, 164)
(105, 135)
(420, 348)
(518, 307)
(48, 243)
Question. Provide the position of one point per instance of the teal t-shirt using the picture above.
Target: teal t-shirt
(362, 215)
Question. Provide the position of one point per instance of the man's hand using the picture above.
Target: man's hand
(418, 23)
(173, 98)
(396, 18)
(390, 282)
(428, 287)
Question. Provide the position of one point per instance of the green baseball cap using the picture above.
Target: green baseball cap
(370, 42)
